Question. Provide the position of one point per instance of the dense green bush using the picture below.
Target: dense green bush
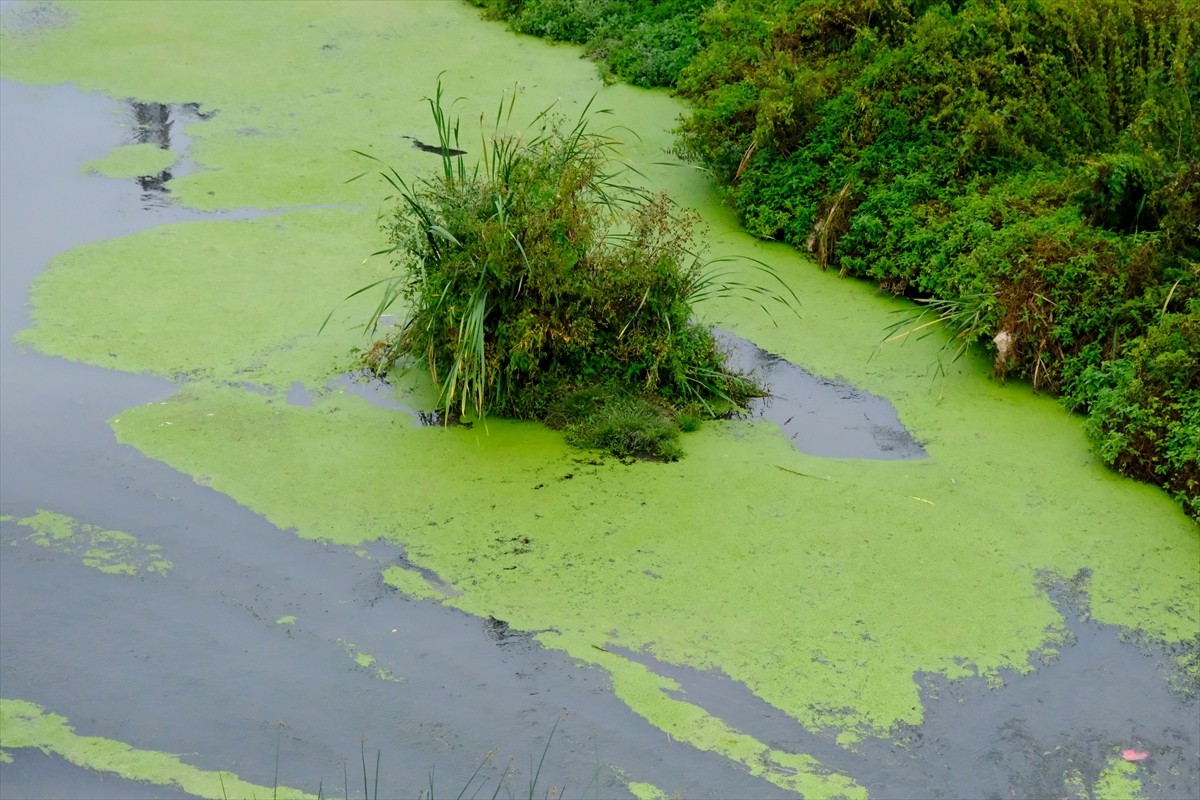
(1145, 418)
(1031, 167)
(540, 286)
(646, 44)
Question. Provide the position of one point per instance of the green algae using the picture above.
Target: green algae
(369, 664)
(1119, 781)
(270, 145)
(286, 620)
(412, 583)
(136, 299)
(133, 161)
(645, 692)
(825, 598)
(25, 724)
(112, 552)
(646, 791)
(816, 632)
(1074, 786)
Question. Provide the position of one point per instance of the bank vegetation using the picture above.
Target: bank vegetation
(1028, 171)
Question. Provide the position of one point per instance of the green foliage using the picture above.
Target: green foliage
(628, 427)
(1145, 418)
(646, 44)
(1028, 168)
(540, 273)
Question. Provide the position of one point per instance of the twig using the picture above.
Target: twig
(801, 474)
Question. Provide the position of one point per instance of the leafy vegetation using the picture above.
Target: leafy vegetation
(1145, 418)
(646, 44)
(1028, 168)
(541, 285)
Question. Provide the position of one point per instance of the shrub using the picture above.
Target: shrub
(1029, 169)
(1145, 407)
(646, 44)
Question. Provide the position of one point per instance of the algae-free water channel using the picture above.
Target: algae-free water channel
(227, 569)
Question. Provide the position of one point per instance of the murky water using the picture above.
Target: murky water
(706, 626)
(818, 415)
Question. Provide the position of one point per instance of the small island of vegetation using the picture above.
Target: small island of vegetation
(541, 284)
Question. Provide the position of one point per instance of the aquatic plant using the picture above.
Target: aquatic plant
(544, 271)
(502, 783)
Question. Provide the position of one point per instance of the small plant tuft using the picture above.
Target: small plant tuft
(628, 427)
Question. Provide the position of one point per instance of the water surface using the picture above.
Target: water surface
(757, 620)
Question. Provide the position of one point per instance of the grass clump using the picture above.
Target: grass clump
(540, 284)
(628, 427)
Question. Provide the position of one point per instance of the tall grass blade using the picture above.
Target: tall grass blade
(470, 780)
(362, 746)
(275, 785)
(537, 774)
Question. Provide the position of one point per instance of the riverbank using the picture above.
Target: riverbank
(1027, 171)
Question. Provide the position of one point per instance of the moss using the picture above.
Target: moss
(628, 427)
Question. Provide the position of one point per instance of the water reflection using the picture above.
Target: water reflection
(152, 124)
(155, 123)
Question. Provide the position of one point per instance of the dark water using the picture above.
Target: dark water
(1016, 741)
(821, 416)
(193, 662)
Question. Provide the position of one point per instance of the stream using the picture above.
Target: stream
(891, 579)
